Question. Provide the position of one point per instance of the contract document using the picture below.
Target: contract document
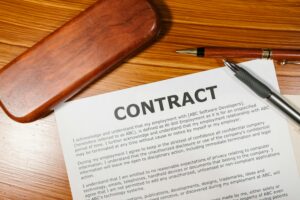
(201, 136)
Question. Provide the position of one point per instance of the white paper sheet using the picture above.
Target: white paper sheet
(295, 128)
(201, 136)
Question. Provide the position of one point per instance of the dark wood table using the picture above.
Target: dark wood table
(31, 161)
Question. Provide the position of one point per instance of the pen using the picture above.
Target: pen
(284, 55)
(263, 91)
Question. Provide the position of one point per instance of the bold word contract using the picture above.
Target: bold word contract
(162, 103)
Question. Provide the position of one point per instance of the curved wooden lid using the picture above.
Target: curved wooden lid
(76, 54)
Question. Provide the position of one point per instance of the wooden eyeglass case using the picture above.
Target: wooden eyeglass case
(73, 56)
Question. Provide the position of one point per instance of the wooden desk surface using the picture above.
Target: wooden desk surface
(31, 160)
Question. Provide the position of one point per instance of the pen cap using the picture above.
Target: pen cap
(67, 60)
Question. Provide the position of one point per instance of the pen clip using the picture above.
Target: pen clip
(286, 62)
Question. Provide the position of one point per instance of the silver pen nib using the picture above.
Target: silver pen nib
(231, 65)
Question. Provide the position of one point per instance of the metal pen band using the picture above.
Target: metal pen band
(266, 54)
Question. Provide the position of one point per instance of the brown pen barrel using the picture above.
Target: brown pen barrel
(277, 54)
(281, 54)
(217, 52)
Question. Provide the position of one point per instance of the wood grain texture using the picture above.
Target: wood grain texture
(31, 161)
(73, 56)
